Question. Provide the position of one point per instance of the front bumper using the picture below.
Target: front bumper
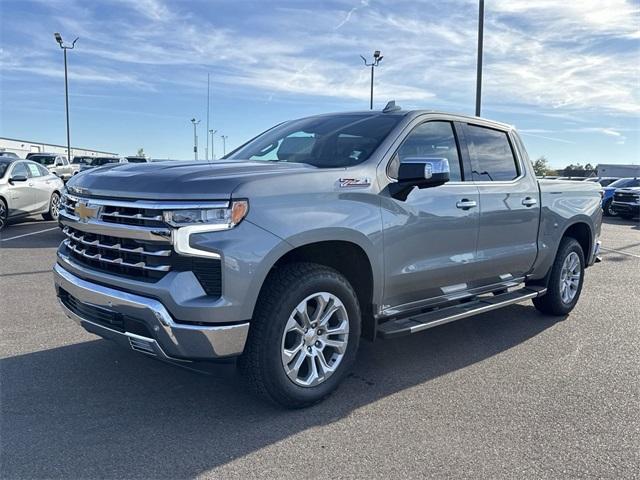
(122, 317)
(624, 208)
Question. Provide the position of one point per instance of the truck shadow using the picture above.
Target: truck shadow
(94, 410)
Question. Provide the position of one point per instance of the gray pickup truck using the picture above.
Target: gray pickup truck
(316, 233)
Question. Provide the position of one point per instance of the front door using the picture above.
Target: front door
(21, 194)
(429, 238)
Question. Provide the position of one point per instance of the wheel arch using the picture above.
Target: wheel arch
(348, 258)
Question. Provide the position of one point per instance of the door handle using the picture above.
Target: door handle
(529, 202)
(31, 184)
(465, 204)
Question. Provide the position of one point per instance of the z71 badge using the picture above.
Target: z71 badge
(354, 182)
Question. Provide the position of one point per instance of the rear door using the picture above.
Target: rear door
(41, 184)
(509, 203)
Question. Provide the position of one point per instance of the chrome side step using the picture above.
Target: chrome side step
(416, 323)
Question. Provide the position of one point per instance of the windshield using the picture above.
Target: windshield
(103, 161)
(43, 159)
(82, 160)
(626, 182)
(4, 165)
(326, 141)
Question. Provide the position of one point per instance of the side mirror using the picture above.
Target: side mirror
(421, 172)
(17, 178)
(424, 172)
(58, 163)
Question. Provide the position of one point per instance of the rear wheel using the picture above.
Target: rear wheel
(304, 336)
(565, 280)
(4, 214)
(54, 207)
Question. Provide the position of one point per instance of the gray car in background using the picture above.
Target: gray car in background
(27, 188)
(316, 233)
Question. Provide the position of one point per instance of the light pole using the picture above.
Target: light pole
(195, 137)
(213, 148)
(479, 66)
(64, 48)
(224, 144)
(377, 58)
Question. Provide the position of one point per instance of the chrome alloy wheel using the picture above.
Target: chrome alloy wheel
(315, 339)
(55, 206)
(570, 277)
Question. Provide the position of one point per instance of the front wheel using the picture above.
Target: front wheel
(607, 208)
(565, 280)
(304, 336)
(4, 214)
(54, 207)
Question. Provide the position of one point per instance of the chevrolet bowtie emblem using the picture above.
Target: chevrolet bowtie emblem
(86, 212)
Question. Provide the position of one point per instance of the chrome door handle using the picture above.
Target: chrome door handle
(529, 202)
(465, 204)
(31, 184)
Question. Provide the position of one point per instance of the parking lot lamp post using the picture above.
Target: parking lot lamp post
(213, 148)
(479, 64)
(224, 144)
(195, 138)
(64, 48)
(377, 58)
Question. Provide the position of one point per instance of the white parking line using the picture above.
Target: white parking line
(27, 234)
(621, 253)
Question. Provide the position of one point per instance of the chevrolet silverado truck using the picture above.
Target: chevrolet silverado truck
(316, 233)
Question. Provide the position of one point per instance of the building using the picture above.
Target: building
(614, 170)
(22, 147)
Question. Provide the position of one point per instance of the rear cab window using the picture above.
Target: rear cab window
(491, 153)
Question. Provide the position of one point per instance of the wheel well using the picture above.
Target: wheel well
(347, 258)
(582, 233)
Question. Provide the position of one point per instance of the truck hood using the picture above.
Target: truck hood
(176, 180)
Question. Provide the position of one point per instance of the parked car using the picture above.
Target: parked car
(93, 162)
(57, 164)
(8, 155)
(603, 181)
(626, 202)
(316, 232)
(27, 188)
(607, 198)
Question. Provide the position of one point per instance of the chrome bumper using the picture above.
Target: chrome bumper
(178, 343)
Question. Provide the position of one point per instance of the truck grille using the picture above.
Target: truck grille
(141, 259)
(137, 260)
(628, 197)
(127, 257)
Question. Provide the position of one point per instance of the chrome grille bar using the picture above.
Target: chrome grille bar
(115, 261)
(118, 247)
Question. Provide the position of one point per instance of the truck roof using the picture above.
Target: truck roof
(414, 113)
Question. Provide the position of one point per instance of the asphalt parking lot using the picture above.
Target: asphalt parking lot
(509, 394)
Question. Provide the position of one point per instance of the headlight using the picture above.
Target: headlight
(216, 218)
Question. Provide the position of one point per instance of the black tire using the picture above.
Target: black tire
(261, 363)
(4, 214)
(606, 209)
(552, 303)
(54, 207)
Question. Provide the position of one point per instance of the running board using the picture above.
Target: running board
(416, 323)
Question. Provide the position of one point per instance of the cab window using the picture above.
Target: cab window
(491, 155)
(434, 139)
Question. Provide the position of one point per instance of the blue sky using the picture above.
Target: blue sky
(567, 74)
